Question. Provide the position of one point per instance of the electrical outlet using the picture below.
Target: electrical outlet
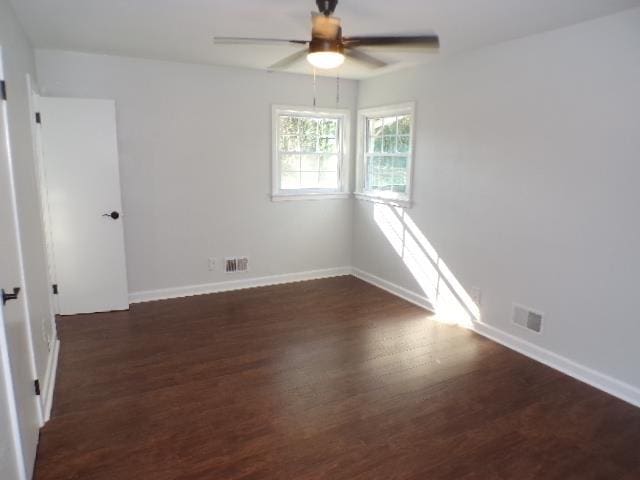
(212, 264)
(476, 295)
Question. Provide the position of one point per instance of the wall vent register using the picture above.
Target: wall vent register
(527, 318)
(236, 264)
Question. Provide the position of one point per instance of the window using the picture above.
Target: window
(385, 153)
(310, 153)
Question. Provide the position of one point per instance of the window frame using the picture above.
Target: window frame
(342, 190)
(394, 198)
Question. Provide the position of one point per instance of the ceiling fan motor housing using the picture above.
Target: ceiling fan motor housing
(319, 44)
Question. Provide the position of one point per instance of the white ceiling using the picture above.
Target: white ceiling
(181, 30)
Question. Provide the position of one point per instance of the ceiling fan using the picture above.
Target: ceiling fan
(328, 48)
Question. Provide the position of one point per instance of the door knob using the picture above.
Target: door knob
(9, 296)
(115, 215)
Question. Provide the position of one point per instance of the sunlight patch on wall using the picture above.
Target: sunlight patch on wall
(452, 302)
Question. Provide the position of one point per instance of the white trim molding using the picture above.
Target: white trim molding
(285, 197)
(397, 290)
(187, 291)
(50, 381)
(599, 380)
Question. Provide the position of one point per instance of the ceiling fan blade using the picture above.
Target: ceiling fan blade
(364, 58)
(256, 41)
(288, 61)
(416, 41)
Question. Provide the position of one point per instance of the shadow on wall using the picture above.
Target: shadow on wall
(453, 304)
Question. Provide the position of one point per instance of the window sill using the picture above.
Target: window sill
(287, 197)
(386, 200)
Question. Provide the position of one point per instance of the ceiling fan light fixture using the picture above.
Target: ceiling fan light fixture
(325, 60)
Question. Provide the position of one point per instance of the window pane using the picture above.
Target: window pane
(289, 125)
(399, 178)
(328, 145)
(389, 145)
(309, 125)
(289, 144)
(400, 162)
(386, 180)
(403, 143)
(375, 144)
(328, 180)
(309, 143)
(329, 128)
(309, 180)
(329, 163)
(375, 126)
(400, 174)
(310, 163)
(309, 135)
(390, 126)
(290, 162)
(369, 173)
(404, 125)
(290, 180)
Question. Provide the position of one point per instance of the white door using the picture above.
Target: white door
(17, 393)
(80, 158)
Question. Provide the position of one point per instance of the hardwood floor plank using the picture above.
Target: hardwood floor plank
(328, 379)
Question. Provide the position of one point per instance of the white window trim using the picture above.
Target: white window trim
(277, 194)
(393, 198)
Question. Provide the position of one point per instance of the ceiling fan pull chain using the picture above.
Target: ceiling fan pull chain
(337, 89)
(315, 88)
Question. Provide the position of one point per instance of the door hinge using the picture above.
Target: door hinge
(38, 118)
(36, 384)
(3, 90)
(54, 288)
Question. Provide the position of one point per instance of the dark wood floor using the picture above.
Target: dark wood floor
(328, 379)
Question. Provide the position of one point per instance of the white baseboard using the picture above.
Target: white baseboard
(50, 381)
(397, 290)
(601, 381)
(187, 291)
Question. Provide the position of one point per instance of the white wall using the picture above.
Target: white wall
(195, 153)
(526, 183)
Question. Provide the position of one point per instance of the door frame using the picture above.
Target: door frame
(41, 179)
(5, 360)
(46, 398)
